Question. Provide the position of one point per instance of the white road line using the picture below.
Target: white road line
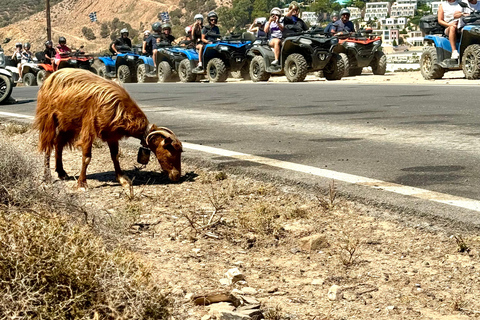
(419, 193)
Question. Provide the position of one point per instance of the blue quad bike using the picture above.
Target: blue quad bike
(127, 66)
(229, 54)
(301, 52)
(436, 56)
(177, 61)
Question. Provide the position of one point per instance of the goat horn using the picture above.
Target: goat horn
(162, 131)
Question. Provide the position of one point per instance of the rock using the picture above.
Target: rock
(225, 282)
(189, 296)
(250, 300)
(217, 308)
(317, 282)
(272, 290)
(335, 293)
(231, 315)
(178, 292)
(350, 296)
(208, 299)
(234, 275)
(206, 317)
(249, 291)
(313, 243)
(252, 312)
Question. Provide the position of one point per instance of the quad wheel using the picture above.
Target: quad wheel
(164, 72)
(335, 68)
(257, 70)
(124, 74)
(42, 76)
(346, 64)
(185, 71)
(5, 88)
(141, 73)
(296, 67)
(429, 64)
(471, 62)
(379, 63)
(216, 70)
(102, 71)
(29, 79)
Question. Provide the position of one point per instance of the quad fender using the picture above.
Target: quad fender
(107, 61)
(442, 45)
(191, 54)
(146, 60)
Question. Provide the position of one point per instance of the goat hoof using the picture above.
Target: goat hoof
(62, 175)
(124, 181)
(82, 186)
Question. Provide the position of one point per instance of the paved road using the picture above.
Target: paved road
(423, 136)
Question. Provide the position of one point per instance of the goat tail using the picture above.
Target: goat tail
(45, 123)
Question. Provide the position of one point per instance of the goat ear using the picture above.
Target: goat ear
(166, 142)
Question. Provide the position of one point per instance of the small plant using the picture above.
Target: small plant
(97, 144)
(219, 176)
(328, 202)
(349, 250)
(264, 220)
(296, 213)
(462, 245)
(273, 314)
(12, 129)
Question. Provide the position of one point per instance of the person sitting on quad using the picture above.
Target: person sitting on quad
(291, 22)
(166, 38)
(472, 6)
(17, 54)
(257, 27)
(150, 45)
(208, 35)
(25, 57)
(449, 12)
(344, 24)
(275, 28)
(61, 49)
(187, 40)
(123, 41)
(328, 28)
(49, 53)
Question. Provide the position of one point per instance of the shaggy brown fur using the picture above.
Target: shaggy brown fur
(75, 107)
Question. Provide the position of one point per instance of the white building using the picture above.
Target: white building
(377, 10)
(355, 13)
(388, 35)
(393, 23)
(415, 38)
(403, 9)
(434, 5)
(309, 17)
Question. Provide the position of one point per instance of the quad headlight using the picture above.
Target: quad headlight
(377, 43)
(73, 61)
(2, 60)
(351, 44)
(305, 41)
(223, 48)
(131, 57)
(334, 41)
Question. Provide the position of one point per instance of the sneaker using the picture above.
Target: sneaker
(198, 69)
(20, 80)
(274, 62)
(455, 55)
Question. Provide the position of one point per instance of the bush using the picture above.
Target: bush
(88, 33)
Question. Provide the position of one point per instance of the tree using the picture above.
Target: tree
(104, 31)
(88, 33)
(394, 42)
(325, 6)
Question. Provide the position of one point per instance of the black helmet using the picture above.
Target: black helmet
(26, 45)
(62, 40)
(48, 43)
(166, 25)
(212, 14)
(344, 11)
(156, 26)
(123, 31)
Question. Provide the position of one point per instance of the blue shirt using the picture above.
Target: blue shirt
(340, 26)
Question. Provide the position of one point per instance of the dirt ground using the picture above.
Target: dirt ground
(194, 231)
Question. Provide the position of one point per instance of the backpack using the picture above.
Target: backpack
(429, 25)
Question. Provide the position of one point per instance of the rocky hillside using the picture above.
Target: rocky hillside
(70, 19)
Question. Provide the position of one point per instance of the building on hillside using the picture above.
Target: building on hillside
(355, 13)
(434, 5)
(376, 10)
(393, 23)
(403, 8)
(309, 17)
(388, 35)
(414, 38)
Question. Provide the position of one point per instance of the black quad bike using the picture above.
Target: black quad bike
(361, 50)
(301, 52)
(6, 80)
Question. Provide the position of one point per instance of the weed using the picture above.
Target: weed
(328, 202)
(12, 129)
(97, 144)
(219, 176)
(263, 220)
(349, 250)
(274, 314)
(296, 213)
(462, 246)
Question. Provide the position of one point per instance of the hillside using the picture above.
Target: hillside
(69, 17)
(13, 11)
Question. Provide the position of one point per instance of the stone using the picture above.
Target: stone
(217, 308)
(189, 296)
(313, 243)
(335, 293)
(234, 275)
(178, 292)
(206, 317)
(272, 290)
(250, 300)
(317, 282)
(231, 315)
(225, 282)
(249, 291)
(350, 296)
(253, 312)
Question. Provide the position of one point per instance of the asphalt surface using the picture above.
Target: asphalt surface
(423, 136)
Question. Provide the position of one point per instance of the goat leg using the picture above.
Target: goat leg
(123, 179)
(86, 157)
(60, 143)
(47, 174)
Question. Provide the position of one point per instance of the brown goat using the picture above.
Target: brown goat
(75, 107)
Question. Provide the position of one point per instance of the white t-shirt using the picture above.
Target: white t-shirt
(449, 9)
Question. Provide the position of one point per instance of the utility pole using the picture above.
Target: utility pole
(49, 25)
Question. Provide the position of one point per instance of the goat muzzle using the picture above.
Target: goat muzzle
(143, 155)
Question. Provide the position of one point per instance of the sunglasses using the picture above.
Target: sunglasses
(213, 20)
(273, 15)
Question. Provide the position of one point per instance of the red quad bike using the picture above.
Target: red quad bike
(359, 50)
(77, 59)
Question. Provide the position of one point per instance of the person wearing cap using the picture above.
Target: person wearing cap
(123, 41)
(344, 24)
(275, 28)
(208, 35)
(292, 22)
(17, 54)
(328, 28)
(257, 27)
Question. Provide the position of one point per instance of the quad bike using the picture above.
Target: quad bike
(6, 80)
(361, 50)
(122, 66)
(77, 59)
(436, 56)
(302, 52)
(173, 61)
(227, 55)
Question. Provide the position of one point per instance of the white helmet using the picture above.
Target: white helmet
(261, 21)
(276, 11)
(198, 16)
(146, 32)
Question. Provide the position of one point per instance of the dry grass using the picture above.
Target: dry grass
(11, 129)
